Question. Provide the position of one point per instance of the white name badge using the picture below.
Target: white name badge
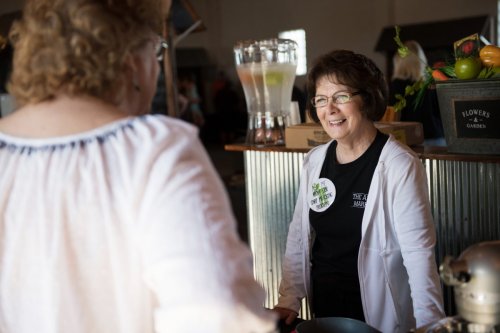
(321, 195)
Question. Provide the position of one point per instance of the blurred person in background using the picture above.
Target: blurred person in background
(361, 241)
(193, 113)
(111, 220)
(407, 71)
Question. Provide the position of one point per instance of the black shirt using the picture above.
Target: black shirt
(338, 228)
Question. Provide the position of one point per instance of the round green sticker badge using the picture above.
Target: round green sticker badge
(321, 195)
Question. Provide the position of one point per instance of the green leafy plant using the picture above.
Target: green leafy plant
(488, 72)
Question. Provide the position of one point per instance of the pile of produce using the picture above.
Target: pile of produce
(471, 62)
(475, 62)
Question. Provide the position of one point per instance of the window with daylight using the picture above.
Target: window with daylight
(299, 36)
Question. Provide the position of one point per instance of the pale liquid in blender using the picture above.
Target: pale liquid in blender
(268, 92)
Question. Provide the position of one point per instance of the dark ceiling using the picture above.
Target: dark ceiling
(433, 35)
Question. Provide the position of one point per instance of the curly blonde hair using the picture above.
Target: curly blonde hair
(78, 47)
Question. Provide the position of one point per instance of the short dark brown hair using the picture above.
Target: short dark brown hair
(353, 70)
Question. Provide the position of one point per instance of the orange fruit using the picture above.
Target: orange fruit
(438, 75)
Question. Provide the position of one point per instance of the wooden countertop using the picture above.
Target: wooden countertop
(427, 152)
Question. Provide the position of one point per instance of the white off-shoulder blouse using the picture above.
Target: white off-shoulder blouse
(126, 228)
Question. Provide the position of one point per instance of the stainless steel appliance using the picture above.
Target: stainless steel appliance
(475, 277)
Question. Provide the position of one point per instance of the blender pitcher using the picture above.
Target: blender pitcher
(266, 69)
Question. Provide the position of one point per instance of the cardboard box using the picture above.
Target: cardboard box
(308, 135)
(305, 135)
(407, 132)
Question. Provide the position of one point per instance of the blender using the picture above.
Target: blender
(266, 69)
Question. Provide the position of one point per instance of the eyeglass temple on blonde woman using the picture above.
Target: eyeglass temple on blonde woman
(160, 49)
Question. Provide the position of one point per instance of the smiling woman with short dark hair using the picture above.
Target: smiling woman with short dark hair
(361, 241)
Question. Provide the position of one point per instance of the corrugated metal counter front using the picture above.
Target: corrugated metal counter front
(464, 193)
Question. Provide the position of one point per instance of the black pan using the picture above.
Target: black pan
(335, 325)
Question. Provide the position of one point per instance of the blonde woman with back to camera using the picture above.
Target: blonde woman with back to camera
(111, 220)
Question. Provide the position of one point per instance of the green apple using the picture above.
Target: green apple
(468, 68)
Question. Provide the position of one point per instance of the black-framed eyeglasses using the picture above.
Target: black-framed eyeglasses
(320, 101)
(161, 46)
